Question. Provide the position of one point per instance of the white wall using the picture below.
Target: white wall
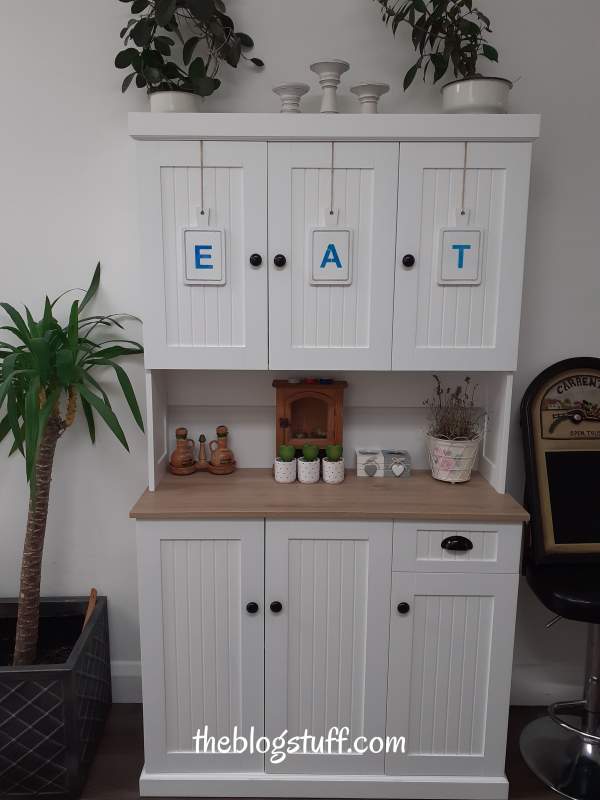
(66, 200)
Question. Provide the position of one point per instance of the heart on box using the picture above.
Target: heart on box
(398, 469)
(371, 469)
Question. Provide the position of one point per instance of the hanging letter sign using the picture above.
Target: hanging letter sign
(204, 253)
(460, 256)
(330, 253)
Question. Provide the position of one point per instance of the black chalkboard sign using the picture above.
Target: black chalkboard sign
(574, 484)
(560, 417)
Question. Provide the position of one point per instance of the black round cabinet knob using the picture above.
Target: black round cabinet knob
(403, 608)
(276, 606)
(279, 260)
(252, 608)
(408, 260)
(256, 259)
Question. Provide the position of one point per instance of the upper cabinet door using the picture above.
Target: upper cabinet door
(459, 276)
(331, 275)
(206, 295)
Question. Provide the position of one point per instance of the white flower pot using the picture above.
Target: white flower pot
(451, 460)
(284, 471)
(476, 96)
(181, 102)
(333, 471)
(308, 471)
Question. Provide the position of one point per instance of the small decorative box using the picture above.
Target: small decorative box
(376, 463)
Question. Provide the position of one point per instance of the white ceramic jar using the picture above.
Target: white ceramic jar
(452, 460)
(179, 102)
(476, 96)
(308, 471)
(284, 471)
(333, 471)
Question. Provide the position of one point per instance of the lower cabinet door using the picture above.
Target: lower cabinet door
(327, 633)
(451, 648)
(202, 645)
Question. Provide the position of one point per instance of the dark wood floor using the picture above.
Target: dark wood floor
(117, 766)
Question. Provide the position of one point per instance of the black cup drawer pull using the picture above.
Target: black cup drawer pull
(457, 543)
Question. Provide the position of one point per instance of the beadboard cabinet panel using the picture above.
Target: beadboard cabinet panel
(332, 326)
(450, 669)
(459, 325)
(200, 576)
(195, 325)
(326, 650)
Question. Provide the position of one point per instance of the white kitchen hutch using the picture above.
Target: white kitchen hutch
(377, 249)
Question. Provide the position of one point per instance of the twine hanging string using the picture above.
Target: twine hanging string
(464, 182)
(201, 177)
(331, 181)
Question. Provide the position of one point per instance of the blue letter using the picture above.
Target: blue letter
(461, 253)
(200, 254)
(331, 257)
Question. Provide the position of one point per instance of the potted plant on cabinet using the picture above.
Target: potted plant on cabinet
(454, 432)
(284, 466)
(451, 35)
(55, 688)
(333, 464)
(308, 464)
(171, 72)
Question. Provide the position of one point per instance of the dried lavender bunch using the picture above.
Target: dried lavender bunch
(453, 413)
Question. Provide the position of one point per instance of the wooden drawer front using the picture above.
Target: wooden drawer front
(418, 546)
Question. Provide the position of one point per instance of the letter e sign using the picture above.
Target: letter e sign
(460, 256)
(330, 254)
(204, 253)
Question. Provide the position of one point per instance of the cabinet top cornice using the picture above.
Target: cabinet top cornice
(340, 127)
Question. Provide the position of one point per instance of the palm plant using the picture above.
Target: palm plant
(44, 373)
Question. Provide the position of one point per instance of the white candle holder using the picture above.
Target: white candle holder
(329, 73)
(368, 95)
(290, 94)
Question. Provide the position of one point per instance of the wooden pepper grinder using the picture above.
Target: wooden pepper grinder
(182, 458)
(202, 462)
(222, 461)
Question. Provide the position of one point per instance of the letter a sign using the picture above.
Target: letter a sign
(331, 258)
(460, 256)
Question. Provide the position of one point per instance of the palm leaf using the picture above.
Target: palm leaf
(89, 418)
(127, 388)
(105, 412)
(92, 289)
(21, 328)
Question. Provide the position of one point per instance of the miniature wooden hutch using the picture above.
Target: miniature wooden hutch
(286, 607)
(309, 413)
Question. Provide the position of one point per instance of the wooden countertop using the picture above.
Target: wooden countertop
(253, 493)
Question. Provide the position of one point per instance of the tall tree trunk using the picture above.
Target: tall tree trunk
(31, 566)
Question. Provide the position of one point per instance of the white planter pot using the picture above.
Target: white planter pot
(451, 460)
(308, 471)
(181, 102)
(333, 471)
(284, 471)
(476, 96)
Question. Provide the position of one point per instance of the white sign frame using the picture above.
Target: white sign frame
(190, 277)
(460, 281)
(315, 279)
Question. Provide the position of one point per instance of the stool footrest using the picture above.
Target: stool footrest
(571, 707)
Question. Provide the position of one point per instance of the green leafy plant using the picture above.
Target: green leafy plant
(46, 370)
(453, 413)
(334, 452)
(287, 452)
(447, 34)
(310, 452)
(160, 62)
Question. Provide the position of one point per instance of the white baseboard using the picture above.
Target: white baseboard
(126, 681)
(532, 684)
(542, 684)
